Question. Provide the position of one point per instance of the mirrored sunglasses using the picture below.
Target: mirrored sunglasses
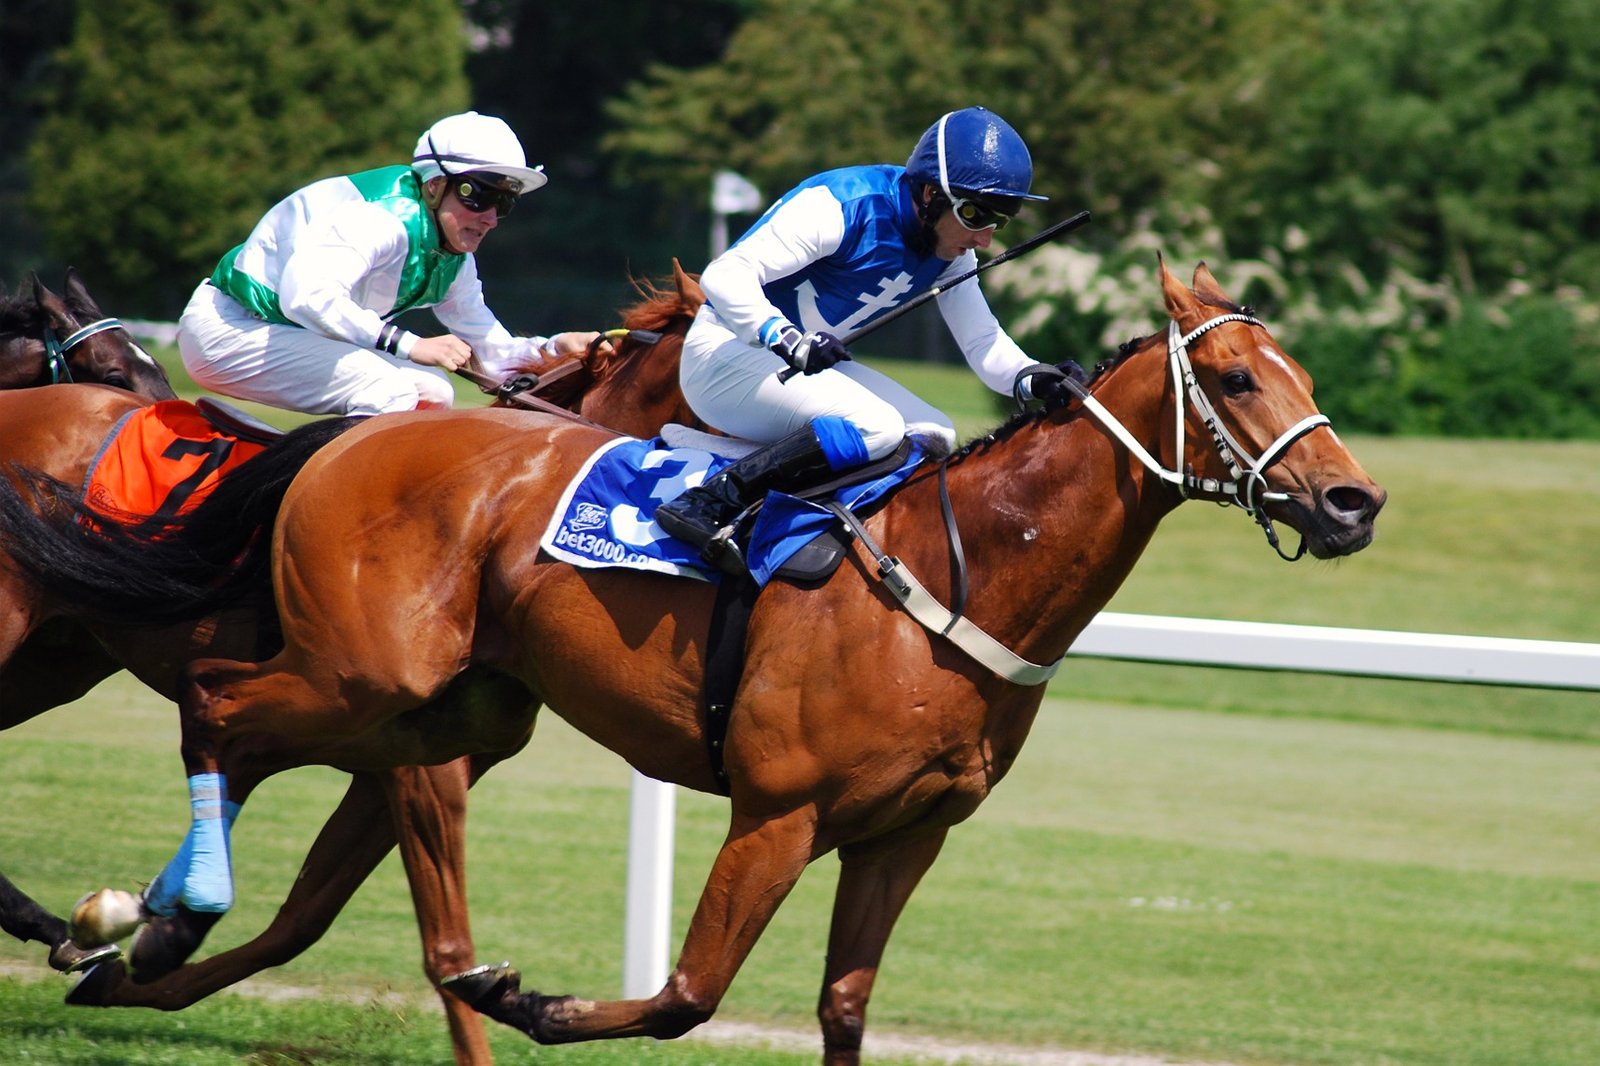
(476, 194)
(976, 216)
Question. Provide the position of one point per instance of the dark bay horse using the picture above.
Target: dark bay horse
(44, 339)
(49, 657)
(822, 755)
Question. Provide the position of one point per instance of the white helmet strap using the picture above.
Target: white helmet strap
(944, 172)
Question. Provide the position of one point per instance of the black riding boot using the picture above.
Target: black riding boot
(703, 516)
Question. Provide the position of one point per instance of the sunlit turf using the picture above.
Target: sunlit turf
(1226, 887)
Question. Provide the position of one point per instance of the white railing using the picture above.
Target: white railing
(1148, 638)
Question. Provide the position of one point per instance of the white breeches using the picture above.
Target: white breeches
(229, 351)
(735, 388)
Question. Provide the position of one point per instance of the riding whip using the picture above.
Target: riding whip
(1051, 233)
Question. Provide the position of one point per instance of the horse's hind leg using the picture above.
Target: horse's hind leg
(758, 864)
(429, 809)
(875, 880)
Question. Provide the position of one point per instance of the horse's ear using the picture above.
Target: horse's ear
(1206, 287)
(689, 290)
(52, 305)
(78, 298)
(1181, 303)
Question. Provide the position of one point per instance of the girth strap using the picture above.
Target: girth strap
(730, 623)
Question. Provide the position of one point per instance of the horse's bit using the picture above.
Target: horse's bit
(56, 350)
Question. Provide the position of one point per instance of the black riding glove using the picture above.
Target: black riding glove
(1047, 384)
(808, 353)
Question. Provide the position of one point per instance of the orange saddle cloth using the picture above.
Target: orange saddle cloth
(160, 461)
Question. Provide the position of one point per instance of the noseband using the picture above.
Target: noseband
(1247, 487)
(56, 350)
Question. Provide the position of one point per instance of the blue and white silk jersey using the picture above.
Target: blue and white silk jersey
(837, 252)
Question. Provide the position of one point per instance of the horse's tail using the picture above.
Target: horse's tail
(157, 573)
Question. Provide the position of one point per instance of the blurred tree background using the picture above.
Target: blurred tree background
(1408, 189)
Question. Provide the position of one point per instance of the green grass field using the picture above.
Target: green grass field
(1237, 866)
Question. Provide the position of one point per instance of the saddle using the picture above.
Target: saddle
(231, 420)
(820, 556)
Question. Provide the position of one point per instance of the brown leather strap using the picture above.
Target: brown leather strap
(524, 398)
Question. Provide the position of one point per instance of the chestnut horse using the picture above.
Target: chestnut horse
(48, 658)
(821, 755)
(44, 339)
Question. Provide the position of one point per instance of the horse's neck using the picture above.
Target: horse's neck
(1052, 519)
(640, 393)
(21, 365)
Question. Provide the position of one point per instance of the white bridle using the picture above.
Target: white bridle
(937, 618)
(1247, 487)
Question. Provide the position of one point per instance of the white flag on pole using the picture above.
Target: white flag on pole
(733, 194)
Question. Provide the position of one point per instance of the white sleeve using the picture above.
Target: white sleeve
(808, 227)
(463, 312)
(989, 350)
(328, 261)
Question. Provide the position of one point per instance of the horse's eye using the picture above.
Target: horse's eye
(1237, 382)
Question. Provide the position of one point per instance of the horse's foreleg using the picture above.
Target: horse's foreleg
(875, 880)
(351, 844)
(429, 807)
(753, 873)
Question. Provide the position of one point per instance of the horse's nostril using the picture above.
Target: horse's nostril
(1350, 500)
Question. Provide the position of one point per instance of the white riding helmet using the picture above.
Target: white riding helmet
(479, 144)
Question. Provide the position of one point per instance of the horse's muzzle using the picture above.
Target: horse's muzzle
(1341, 520)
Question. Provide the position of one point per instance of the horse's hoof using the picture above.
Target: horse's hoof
(164, 944)
(483, 987)
(93, 985)
(71, 958)
(106, 916)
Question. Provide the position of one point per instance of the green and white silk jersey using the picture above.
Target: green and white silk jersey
(344, 255)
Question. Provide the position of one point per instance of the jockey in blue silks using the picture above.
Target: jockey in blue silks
(835, 252)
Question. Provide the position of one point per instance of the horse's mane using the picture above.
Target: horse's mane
(20, 313)
(658, 308)
(184, 567)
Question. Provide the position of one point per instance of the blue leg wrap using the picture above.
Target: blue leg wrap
(200, 875)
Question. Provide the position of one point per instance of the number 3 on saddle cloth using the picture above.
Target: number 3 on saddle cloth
(160, 461)
(606, 515)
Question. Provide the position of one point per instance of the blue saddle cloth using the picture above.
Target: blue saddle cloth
(606, 516)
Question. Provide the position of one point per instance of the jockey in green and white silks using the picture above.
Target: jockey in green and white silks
(299, 316)
(834, 253)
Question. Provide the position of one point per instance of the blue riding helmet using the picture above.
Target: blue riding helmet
(974, 151)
